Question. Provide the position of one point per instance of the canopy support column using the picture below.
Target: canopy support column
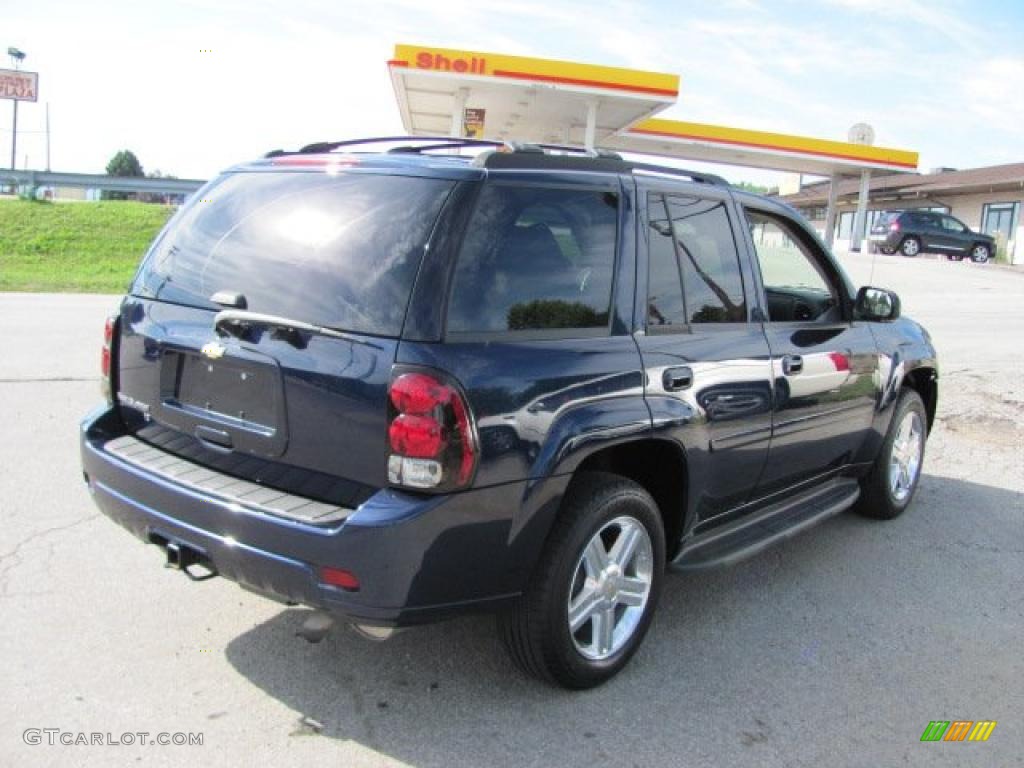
(860, 218)
(591, 131)
(830, 211)
(458, 112)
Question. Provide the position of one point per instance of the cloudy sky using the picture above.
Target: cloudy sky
(942, 78)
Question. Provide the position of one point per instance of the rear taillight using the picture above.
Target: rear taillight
(430, 433)
(894, 227)
(105, 358)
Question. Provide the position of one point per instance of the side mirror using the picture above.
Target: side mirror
(876, 304)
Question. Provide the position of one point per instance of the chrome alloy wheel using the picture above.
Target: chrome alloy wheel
(905, 456)
(979, 254)
(610, 587)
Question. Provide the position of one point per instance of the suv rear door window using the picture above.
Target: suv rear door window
(706, 249)
(665, 310)
(338, 251)
(535, 258)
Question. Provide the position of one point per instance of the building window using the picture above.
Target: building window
(845, 226)
(1000, 218)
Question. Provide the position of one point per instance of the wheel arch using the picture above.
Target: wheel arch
(660, 467)
(925, 381)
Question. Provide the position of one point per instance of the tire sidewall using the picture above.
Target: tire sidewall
(908, 402)
(903, 247)
(622, 500)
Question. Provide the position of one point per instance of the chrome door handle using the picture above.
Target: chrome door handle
(792, 365)
(675, 379)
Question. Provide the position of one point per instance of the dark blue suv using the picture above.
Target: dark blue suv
(398, 385)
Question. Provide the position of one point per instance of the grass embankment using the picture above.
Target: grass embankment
(75, 247)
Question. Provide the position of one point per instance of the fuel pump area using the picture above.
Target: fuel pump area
(515, 98)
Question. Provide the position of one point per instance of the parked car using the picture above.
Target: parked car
(396, 386)
(911, 232)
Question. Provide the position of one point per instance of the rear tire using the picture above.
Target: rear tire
(910, 247)
(602, 570)
(980, 253)
(889, 487)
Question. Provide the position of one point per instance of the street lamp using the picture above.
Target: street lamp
(17, 56)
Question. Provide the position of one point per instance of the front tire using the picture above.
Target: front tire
(980, 253)
(593, 594)
(889, 487)
(910, 247)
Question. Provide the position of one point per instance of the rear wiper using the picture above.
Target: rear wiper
(237, 322)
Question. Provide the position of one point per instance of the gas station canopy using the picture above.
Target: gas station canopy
(527, 100)
(514, 98)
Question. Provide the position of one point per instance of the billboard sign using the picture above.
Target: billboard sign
(18, 85)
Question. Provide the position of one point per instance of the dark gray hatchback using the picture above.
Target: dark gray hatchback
(396, 386)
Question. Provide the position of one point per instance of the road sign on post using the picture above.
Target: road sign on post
(18, 85)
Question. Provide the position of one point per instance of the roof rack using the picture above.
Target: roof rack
(513, 155)
(608, 162)
(434, 143)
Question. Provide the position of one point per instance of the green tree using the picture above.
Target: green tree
(757, 189)
(124, 163)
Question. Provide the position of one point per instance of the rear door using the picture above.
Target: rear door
(930, 226)
(297, 402)
(536, 322)
(824, 365)
(708, 375)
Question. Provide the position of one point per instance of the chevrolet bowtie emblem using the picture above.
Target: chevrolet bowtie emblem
(213, 350)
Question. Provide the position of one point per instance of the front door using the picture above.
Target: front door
(707, 372)
(955, 238)
(824, 366)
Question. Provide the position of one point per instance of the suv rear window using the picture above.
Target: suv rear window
(339, 251)
(535, 258)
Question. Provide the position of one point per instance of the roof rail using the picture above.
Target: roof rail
(698, 176)
(601, 160)
(433, 143)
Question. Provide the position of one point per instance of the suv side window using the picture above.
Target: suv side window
(797, 286)
(706, 256)
(665, 310)
(536, 258)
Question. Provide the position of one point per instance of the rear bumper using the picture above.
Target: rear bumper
(418, 558)
(885, 240)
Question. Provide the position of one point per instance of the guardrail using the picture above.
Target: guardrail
(99, 181)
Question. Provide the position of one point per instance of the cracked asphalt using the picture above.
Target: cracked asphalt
(835, 648)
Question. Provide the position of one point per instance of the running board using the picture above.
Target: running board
(750, 535)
